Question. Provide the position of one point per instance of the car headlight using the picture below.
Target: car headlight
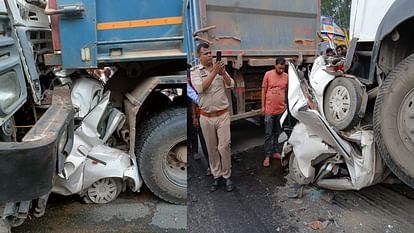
(9, 92)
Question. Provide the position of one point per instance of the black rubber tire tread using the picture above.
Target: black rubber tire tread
(386, 120)
(119, 184)
(156, 102)
(355, 93)
(145, 127)
(152, 137)
(298, 178)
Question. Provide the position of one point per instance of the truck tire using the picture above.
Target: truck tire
(394, 120)
(163, 155)
(341, 103)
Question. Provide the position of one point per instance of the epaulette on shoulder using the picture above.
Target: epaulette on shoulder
(198, 67)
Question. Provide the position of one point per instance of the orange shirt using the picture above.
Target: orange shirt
(275, 86)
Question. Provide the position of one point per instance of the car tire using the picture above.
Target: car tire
(342, 101)
(294, 171)
(103, 191)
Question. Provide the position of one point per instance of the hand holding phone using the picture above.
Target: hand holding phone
(218, 56)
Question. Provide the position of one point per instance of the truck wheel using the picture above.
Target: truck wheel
(394, 120)
(341, 103)
(163, 156)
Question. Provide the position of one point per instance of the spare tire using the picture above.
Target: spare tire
(394, 120)
(341, 103)
(162, 157)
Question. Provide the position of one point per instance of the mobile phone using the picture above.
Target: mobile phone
(218, 56)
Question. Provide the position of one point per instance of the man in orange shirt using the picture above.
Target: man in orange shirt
(274, 89)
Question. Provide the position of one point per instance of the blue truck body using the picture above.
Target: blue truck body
(109, 31)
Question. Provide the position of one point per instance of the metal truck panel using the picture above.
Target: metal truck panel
(34, 44)
(31, 26)
(119, 31)
(3, 9)
(366, 15)
(397, 13)
(27, 168)
(258, 28)
(13, 92)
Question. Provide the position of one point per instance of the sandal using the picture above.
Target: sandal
(266, 162)
(276, 156)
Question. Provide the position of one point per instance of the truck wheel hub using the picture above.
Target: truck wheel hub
(175, 164)
(406, 120)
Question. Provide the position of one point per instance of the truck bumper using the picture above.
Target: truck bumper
(27, 168)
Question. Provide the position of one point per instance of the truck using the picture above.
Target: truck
(64, 130)
(381, 35)
(251, 34)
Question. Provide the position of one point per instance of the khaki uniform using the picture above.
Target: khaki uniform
(216, 129)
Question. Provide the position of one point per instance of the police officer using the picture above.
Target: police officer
(210, 81)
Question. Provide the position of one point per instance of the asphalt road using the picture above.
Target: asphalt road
(131, 212)
(251, 207)
(260, 203)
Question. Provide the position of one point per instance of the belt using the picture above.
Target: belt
(214, 114)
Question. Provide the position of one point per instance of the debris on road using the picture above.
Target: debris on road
(318, 225)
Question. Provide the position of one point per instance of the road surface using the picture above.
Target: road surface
(131, 212)
(260, 203)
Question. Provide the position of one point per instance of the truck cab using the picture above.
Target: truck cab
(36, 118)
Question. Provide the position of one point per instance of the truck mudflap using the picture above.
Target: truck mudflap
(27, 168)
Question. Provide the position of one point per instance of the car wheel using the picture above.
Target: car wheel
(294, 171)
(342, 101)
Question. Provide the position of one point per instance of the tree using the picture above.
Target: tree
(339, 10)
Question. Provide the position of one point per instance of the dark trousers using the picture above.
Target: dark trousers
(192, 139)
(193, 134)
(272, 132)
